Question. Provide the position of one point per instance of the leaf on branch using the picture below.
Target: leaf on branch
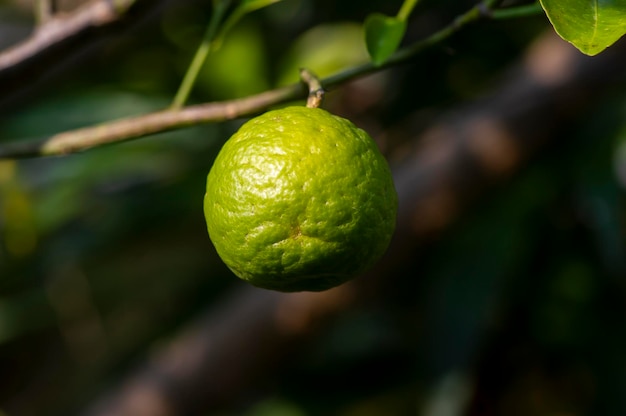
(383, 35)
(590, 25)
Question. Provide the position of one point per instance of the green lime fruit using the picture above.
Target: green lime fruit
(300, 200)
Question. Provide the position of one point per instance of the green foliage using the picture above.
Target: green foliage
(590, 25)
(383, 35)
(245, 46)
(325, 49)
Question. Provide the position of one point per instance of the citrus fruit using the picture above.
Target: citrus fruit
(299, 199)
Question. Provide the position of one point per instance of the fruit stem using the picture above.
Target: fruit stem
(316, 91)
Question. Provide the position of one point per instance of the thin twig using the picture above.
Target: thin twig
(132, 128)
(517, 12)
(200, 57)
(58, 28)
(316, 91)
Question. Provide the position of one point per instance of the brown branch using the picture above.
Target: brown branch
(59, 28)
(133, 128)
(236, 342)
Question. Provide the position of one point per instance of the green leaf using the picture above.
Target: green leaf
(590, 25)
(383, 35)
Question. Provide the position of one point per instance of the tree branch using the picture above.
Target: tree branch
(59, 28)
(132, 128)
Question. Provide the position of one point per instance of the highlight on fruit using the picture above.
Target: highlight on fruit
(300, 200)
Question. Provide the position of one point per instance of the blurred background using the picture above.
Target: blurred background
(515, 305)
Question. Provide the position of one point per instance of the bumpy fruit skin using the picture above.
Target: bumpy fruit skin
(300, 200)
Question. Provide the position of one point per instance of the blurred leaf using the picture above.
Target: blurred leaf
(17, 230)
(383, 35)
(590, 25)
(324, 49)
(78, 109)
(244, 49)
